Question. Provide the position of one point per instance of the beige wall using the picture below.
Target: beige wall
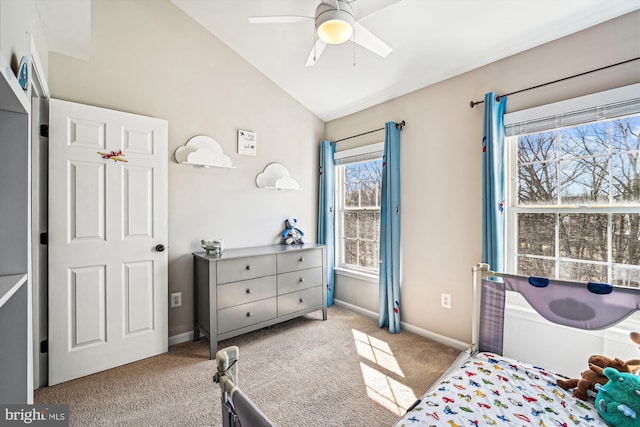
(441, 162)
(150, 58)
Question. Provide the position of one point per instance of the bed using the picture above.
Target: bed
(483, 387)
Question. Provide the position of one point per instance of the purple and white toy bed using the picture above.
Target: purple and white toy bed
(484, 388)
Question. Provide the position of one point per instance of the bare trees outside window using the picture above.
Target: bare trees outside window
(359, 196)
(576, 202)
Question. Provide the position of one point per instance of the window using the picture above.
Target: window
(358, 196)
(574, 196)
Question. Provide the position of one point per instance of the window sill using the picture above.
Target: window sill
(373, 278)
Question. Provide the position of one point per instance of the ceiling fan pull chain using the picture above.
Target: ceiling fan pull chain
(354, 47)
(314, 46)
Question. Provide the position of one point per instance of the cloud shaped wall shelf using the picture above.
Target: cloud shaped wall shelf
(203, 151)
(276, 176)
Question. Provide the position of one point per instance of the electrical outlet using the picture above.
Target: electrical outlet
(445, 300)
(176, 299)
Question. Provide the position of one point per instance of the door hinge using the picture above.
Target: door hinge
(44, 346)
(44, 238)
(44, 131)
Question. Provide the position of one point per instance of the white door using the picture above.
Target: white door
(107, 231)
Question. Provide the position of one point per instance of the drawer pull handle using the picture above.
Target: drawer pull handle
(248, 267)
(301, 280)
(249, 314)
(301, 299)
(301, 259)
(248, 291)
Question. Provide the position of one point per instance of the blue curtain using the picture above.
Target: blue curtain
(493, 182)
(389, 277)
(326, 211)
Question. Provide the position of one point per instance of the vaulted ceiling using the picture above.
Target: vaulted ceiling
(431, 40)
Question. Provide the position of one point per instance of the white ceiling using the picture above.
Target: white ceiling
(432, 40)
(67, 24)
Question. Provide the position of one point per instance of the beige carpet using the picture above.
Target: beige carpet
(305, 372)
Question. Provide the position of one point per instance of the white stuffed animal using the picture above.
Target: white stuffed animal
(213, 247)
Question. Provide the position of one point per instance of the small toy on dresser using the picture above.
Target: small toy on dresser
(291, 234)
(213, 247)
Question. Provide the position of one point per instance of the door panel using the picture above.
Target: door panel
(138, 284)
(88, 306)
(138, 202)
(138, 141)
(86, 200)
(86, 133)
(107, 284)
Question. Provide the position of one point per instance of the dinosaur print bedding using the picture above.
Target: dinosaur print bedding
(492, 390)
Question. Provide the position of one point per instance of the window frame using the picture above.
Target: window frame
(588, 109)
(367, 153)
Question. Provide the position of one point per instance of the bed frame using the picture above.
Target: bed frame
(237, 409)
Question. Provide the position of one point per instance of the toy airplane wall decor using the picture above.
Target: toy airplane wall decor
(113, 155)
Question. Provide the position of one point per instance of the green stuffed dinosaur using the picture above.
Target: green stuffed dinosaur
(618, 401)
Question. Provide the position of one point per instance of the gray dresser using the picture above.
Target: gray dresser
(242, 290)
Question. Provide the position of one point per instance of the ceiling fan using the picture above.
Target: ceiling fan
(337, 21)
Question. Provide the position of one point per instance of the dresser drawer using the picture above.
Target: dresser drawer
(245, 291)
(233, 270)
(298, 280)
(240, 316)
(300, 300)
(299, 260)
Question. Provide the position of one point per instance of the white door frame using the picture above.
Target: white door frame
(38, 94)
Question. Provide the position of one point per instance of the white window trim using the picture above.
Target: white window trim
(355, 274)
(353, 155)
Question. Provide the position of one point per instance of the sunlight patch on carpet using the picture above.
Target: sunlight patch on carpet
(382, 374)
(377, 351)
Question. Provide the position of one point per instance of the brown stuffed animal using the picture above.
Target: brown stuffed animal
(593, 376)
(634, 364)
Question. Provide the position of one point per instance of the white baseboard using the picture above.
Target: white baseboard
(356, 308)
(180, 338)
(459, 345)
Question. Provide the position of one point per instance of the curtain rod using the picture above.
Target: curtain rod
(474, 103)
(398, 125)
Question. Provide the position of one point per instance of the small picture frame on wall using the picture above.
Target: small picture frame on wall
(246, 143)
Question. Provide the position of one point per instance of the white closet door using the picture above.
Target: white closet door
(107, 231)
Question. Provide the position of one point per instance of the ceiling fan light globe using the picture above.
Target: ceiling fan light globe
(334, 25)
(335, 31)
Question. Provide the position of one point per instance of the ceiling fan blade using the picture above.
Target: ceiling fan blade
(285, 19)
(366, 39)
(315, 54)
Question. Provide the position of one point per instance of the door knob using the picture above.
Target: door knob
(160, 248)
